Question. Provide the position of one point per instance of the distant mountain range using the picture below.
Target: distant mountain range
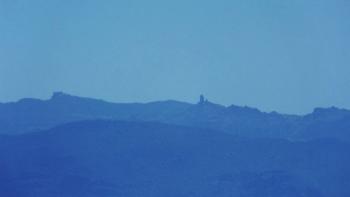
(28, 115)
(70, 146)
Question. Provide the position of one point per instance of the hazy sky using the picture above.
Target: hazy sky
(289, 56)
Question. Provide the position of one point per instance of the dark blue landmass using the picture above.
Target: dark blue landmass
(70, 146)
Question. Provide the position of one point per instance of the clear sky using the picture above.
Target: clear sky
(289, 56)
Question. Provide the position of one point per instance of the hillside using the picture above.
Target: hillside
(109, 158)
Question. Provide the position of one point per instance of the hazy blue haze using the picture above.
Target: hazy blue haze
(288, 56)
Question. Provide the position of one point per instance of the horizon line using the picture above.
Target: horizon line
(62, 93)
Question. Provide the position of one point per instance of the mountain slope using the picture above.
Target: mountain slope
(108, 158)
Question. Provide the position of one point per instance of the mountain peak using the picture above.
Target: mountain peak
(202, 100)
(329, 110)
(57, 95)
(329, 114)
(62, 97)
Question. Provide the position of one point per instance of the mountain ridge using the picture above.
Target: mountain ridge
(59, 96)
(27, 115)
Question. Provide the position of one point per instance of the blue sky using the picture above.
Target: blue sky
(288, 56)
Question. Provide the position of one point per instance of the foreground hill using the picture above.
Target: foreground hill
(29, 115)
(109, 158)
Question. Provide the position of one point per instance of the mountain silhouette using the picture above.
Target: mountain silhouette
(119, 158)
(28, 115)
